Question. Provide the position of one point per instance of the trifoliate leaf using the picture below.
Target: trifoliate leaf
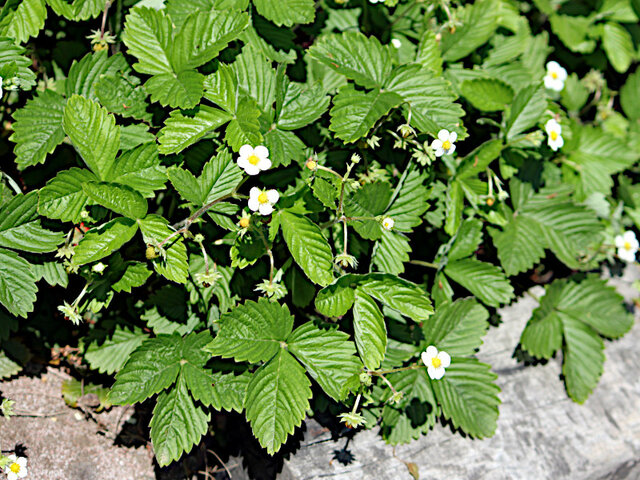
(122, 94)
(155, 229)
(147, 35)
(17, 284)
(102, 241)
(253, 331)
(135, 274)
(119, 198)
(370, 331)
(308, 246)
(391, 252)
(284, 147)
(176, 90)
(336, 299)
(277, 399)
(630, 96)
(328, 355)
(134, 135)
(410, 202)
(63, 197)
(244, 129)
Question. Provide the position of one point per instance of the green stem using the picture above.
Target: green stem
(424, 264)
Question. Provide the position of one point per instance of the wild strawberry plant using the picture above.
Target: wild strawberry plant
(293, 207)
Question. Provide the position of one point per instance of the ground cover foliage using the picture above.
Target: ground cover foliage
(275, 208)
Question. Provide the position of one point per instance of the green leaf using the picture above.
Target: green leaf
(140, 169)
(277, 400)
(181, 131)
(229, 391)
(253, 331)
(336, 299)
(102, 241)
(8, 368)
(485, 281)
(135, 274)
(119, 198)
(575, 94)
(469, 397)
(256, 78)
(355, 112)
(147, 35)
(409, 205)
(309, 248)
(583, 359)
(528, 106)
(182, 89)
(328, 355)
(629, 96)
(37, 128)
(177, 424)
(358, 57)
(618, 45)
(431, 99)
(286, 12)
(369, 201)
(134, 135)
(302, 106)
(487, 94)
(467, 239)
(457, 328)
(25, 21)
(391, 252)
(63, 197)
(175, 267)
(407, 298)
(94, 133)
(370, 331)
(244, 128)
(20, 227)
(479, 22)
(17, 284)
(573, 32)
(84, 75)
(53, 273)
(284, 147)
(428, 54)
(111, 355)
(122, 94)
(519, 244)
(14, 63)
(454, 201)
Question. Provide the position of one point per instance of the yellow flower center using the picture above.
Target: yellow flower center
(554, 135)
(436, 362)
(15, 468)
(244, 222)
(262, 198)
(446, 144)
(554, 75)
(254, 160)
(627, 246)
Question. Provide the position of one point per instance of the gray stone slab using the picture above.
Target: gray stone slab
(541, 433)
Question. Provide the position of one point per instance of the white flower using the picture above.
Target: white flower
(388, 223)
(436, 362)
(554, 131)
(16, 468)
(627, 246)
(443, 145)
(262, 200)
(99, 267)
(555, 77)
(254, 160)
(396, 43)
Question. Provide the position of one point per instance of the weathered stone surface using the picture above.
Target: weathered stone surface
(60, 443)
(541, 433)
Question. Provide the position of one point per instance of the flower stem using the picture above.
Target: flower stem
(424, 264)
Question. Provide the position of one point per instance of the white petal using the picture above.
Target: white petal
(555, 144)
(245, 151)
(261, 151)
(439, 152)
(242, 162)
(425, 359)
(453, 136)
(562, 73)
(22, 461)
(264, 164)
(552, 65)
(254, 193)
(443, 135)
(629, 236)
(548, 82)
(252, 169)
(22, 473)
(438, 373)
(451, 150)
(11, 475)
(431, 351)
(445, 359)
(436, 144)
(266, 209)
(626, 255)
(619, 241)
(432, 372)
(254, 204)
(557, 85)
(552, 126)
(273, 196)
(13, 457)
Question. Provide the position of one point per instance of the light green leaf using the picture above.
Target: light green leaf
(391, 252)
(618, 45)
(256, 78)
(286, 12)
(147, 35)
(302, 106)
(457, 328)
(181, 131)
(520, 245)
(253, 331)
(177, 424)
(134, 135)
(135, 274)
(583, 359)
(309, 248)
(102, 241)
(528, 106)
(487, 94)
(111, 355)
(575, 94)
(467, 239)
(328, 355)
(358, 57)
(277, 400)
(119, 198)
(284, 147)
(53, 273)
(629, 96)
(8, 368)
(63, 197)
(182, 89)
(355, 112)
(84, 75)
(479, 159)
(244, 128)
(479, 22)
(428, 54)
(573, 32)
(17, 284)
(37, 128)
(94, 133)
(370, 331)
(454, 201)
(24, 21)
(469, 397)
(485, 281)
(122, 94)
(14, 63)
(140, 169)
(407, 298)
(175, 267)
(20, 227)
(336, 299)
